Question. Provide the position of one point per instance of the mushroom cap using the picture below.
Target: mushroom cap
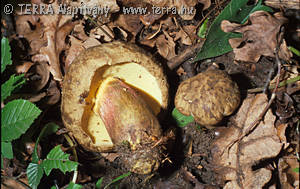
(82, 81)
(208, 97)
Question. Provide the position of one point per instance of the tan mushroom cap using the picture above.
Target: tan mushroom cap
(84, 77)
(208, 96)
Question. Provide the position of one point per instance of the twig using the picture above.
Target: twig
(202, 20)
(185, 55)
(260, 117)
(281, 84)
(100, 26)
(192, 50)
(15, 179)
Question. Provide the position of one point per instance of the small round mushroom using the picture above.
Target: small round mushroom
(208, 97)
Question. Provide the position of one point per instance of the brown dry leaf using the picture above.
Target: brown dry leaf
(91, 42)
(74, 50)
(281, 134)
(53, 93)
(186, 7)
(23, 67)
(180, 71)
(235, 165)
(287, 73)
(110, 5)
(129, 22)
(260, 37)
(290, 4)
(98, 33)
(166, 46)
(185, 35)
(34, 34)
(79, 32)
(8, 183)
(57, 27)
(39, 75)
(189, 6)
(289, 179)
(110, 156)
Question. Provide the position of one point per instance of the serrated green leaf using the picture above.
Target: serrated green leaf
(16, 118)
(99, 183)
(181, 120)
(296, 169)
(216, 42)
(5, 54)
(117, 179)
(34, 174)
(57, 159)
(10, 85)
(47, 130)
(72, 185)
(6, 150)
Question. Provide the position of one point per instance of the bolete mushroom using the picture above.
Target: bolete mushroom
(112, 95)
(208, 97)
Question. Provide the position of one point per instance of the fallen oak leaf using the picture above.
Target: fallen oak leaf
(166, 46)
(259, 37)
(262, 143)
(38, 75)
(289, 179)
(57, 27)
(30, 28)
(74, 50)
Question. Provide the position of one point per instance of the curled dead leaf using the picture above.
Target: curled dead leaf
(104, 33)
(129, 22)
(290, 4)
(53, 93)
(259, 37)
(289, 179)
(23, 67)
(74, 50)
(39, 75)
(235, 165)
(166, 46)
(56, 28)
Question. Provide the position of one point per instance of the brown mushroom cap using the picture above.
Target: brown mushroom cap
(208, 96)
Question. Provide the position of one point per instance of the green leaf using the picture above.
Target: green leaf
(203, 29)
(16, 118)
(117, 179)
(47, 130)
(216, 42)
(57, 159)
(6, 150)
(99, 183)
(296, 169)
(5, 54)
(34, 174)
(294, 50)
(10, 85)
(72, 185)
(181, 120)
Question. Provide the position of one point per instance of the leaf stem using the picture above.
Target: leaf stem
(281, 84)
(70, 142)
